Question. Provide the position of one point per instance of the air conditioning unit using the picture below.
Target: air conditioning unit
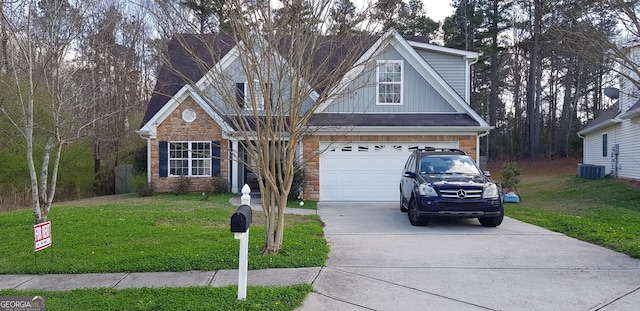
(590, 171)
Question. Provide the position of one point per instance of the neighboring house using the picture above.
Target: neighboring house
(611, 139)
(428, 106)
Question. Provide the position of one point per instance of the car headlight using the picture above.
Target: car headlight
(490, 192)
(427, 190)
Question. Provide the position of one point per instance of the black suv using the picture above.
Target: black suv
(439, 182)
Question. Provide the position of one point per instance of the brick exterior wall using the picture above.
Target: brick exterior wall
(174, 128)
(312, 167)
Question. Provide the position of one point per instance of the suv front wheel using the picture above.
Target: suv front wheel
(492, 221)
(414, 216)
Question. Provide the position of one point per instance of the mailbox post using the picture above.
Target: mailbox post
(240, 222)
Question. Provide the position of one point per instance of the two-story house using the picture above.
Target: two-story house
(611, 139)
(418, 96)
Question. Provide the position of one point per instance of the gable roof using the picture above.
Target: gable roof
(607, 117)
(191, 56)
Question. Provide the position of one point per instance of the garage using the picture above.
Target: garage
(365, 171)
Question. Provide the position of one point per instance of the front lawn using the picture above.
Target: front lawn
(604, 212)
(191, 298)
(161, 233)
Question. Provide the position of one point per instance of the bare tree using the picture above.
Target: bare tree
(290, 72)
(43, 96)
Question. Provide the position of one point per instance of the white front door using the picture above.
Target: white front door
(366, 171)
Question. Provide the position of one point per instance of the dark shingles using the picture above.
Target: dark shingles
(605, 115)
(187, 59)
(394, 119)
(190, 56)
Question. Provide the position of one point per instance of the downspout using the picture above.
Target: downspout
(468, 86)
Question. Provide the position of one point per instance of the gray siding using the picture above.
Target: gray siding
(452, 68)
(235, 74)
(417, 94)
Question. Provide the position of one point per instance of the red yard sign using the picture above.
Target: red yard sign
(42, 234)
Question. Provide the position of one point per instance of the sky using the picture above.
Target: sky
(438, 9)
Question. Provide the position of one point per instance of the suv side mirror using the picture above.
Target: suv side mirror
(487, 173)
(409, 174)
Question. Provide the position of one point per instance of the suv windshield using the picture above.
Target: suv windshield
(448, 164)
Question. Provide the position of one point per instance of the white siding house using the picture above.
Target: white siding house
(613, 138)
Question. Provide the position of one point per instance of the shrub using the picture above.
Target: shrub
(297, 184)
(182, 185)
(217, 185)
(141, 185)
(509, 174)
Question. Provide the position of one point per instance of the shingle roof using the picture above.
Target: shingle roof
(191, 56)
(393, 119)
(605, 115)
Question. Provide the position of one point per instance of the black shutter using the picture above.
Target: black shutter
(163, 158)
(215, 158)
(240, 94)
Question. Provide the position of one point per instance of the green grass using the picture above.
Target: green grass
(191, 298)
(162, 233)
(604, 212)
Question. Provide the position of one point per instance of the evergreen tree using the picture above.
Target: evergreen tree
(407, 18)
(345, 18)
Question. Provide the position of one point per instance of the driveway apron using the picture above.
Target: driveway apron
(378, 261)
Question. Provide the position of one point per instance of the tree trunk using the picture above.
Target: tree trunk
(561, 142)
(534, 87)
(493, 96)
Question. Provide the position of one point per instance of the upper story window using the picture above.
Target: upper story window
(190, 158)
(389, 84)
(244, 97)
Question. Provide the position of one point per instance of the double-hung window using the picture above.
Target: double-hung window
(389, 82)
(244, 97)
(190, 158)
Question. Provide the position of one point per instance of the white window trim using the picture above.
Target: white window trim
(190, 158)
(259, 96)
(381, 62)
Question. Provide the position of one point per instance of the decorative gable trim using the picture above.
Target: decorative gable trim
(438, 83)
(467, 55)
(395, 40)
(150, 128)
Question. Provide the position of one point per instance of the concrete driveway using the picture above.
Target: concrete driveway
(378, 261)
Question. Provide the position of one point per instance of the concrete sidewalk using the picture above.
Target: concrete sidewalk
(219, 278)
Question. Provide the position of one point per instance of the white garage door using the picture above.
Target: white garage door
(365, 171)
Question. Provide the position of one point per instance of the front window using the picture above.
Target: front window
(389, 86)
(190, 159)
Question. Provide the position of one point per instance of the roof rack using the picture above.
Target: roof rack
(442, 150)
